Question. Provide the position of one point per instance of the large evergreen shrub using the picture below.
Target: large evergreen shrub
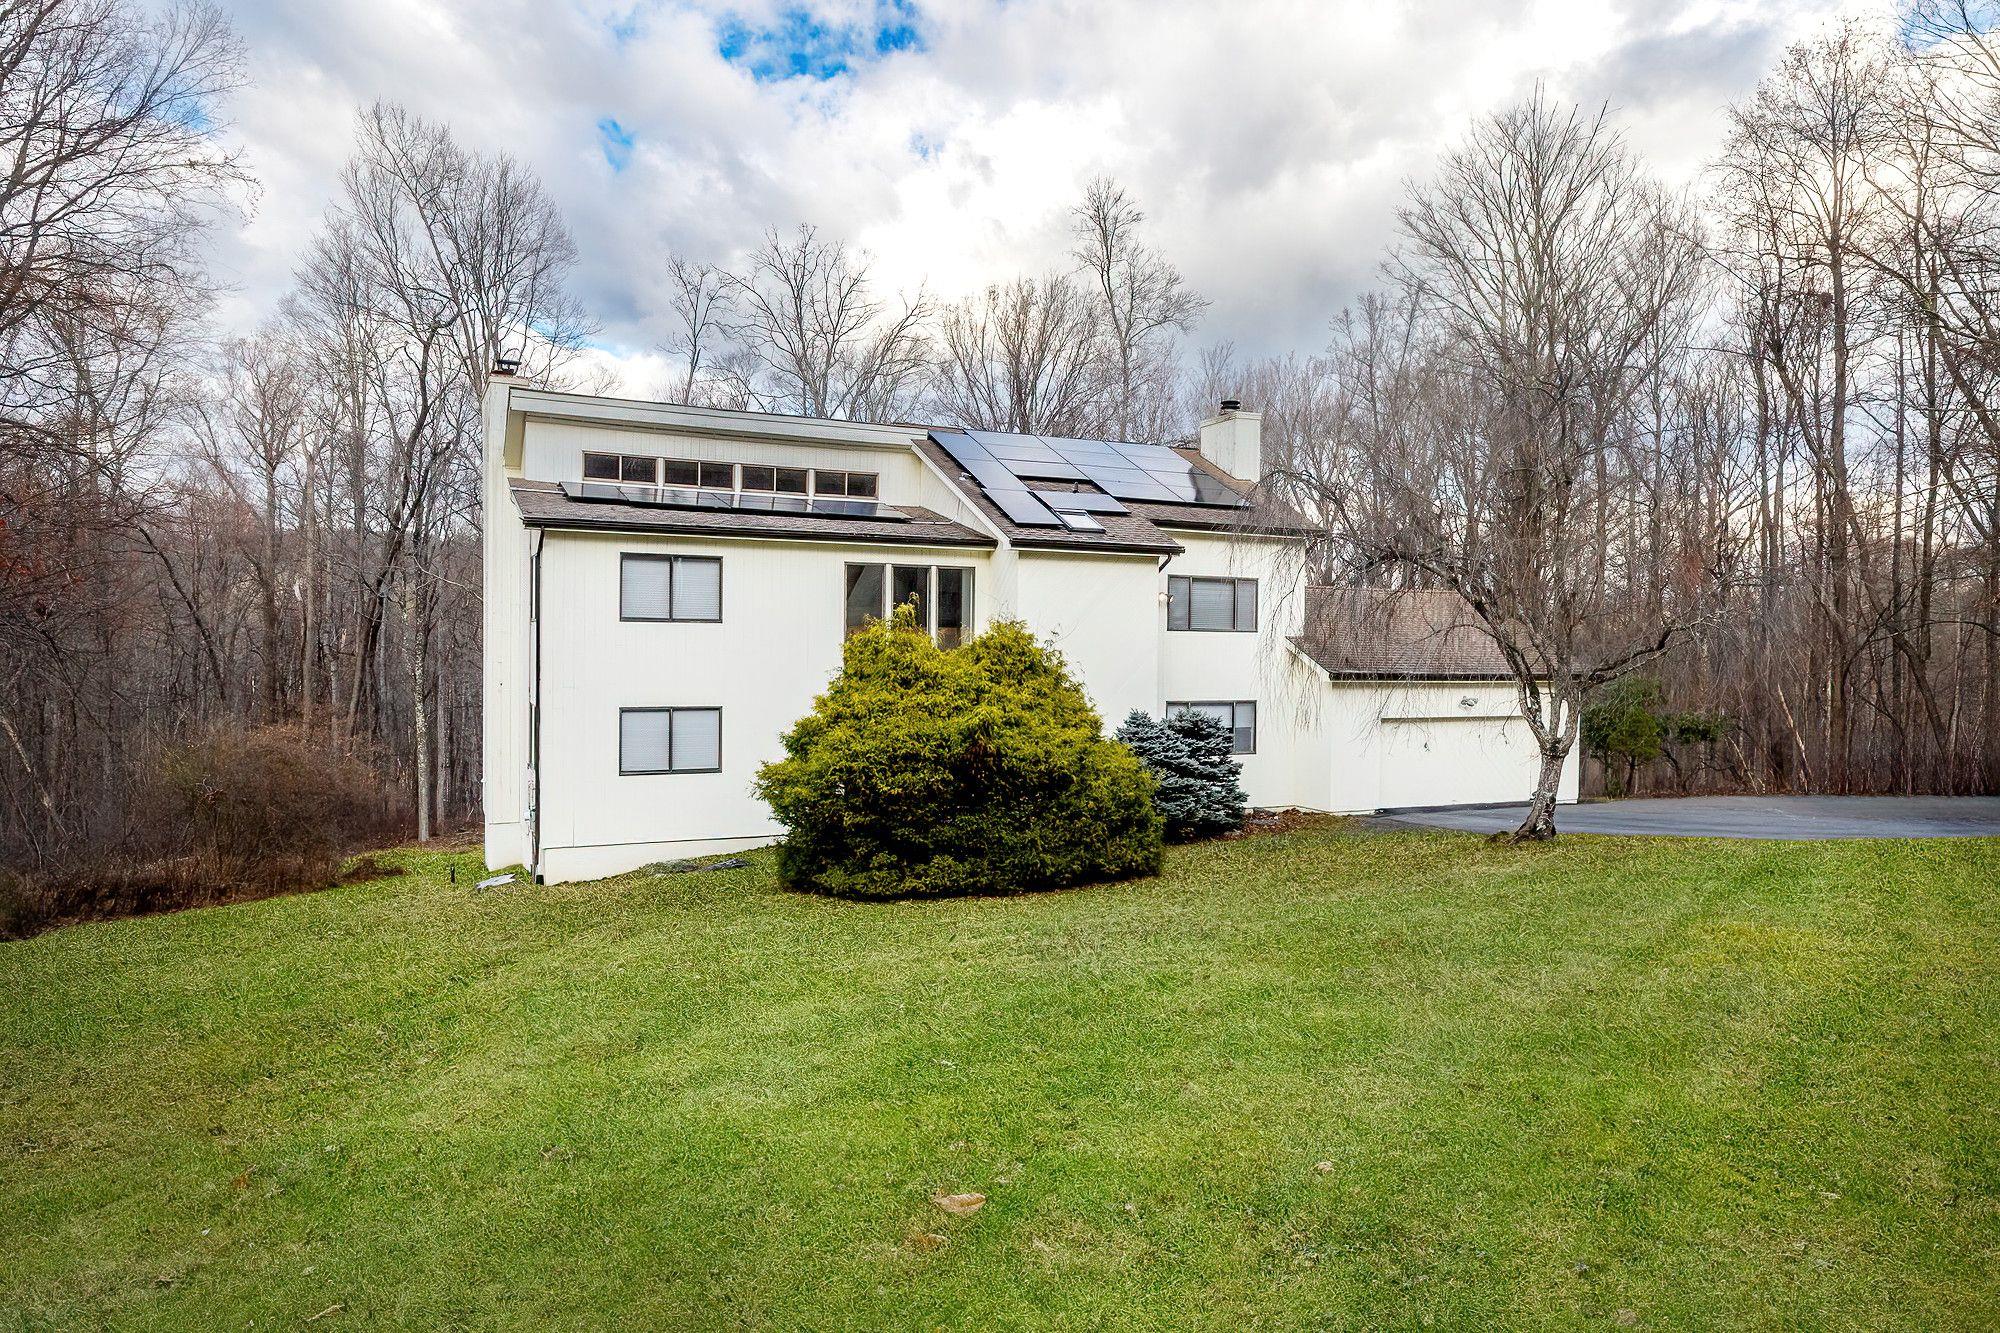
(923, 772)
(1194, 772)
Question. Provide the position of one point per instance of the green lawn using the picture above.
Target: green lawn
(1324, 1079)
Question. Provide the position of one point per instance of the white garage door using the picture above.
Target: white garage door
(1456, 761)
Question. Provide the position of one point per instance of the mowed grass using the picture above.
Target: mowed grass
(1324, 1079)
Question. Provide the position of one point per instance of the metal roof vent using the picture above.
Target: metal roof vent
(1231, 404)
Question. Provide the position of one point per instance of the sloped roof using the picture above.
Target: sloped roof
(1131, 533)
(543, 505)
(1405, 634)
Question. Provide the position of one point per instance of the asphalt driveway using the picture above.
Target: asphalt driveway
(1787, 818)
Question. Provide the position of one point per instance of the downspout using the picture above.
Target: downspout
(535, 714)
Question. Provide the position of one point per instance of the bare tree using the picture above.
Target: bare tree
(698, 295)
(1538, 268)
(1141, 298)
(815, 339)
(1023, 356)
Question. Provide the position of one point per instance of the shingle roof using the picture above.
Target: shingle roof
(1265, 513)
(543, 505)
(1376, 633)
(1131, 532)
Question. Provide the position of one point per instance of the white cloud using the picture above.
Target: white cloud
(1268, 139)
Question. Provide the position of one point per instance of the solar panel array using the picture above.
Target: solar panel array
(1008, 466)
(755, 502)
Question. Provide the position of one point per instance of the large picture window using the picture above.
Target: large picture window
(1240, 716)
(1211, 604)
(669, 587)
(942, 595)
(669, 740)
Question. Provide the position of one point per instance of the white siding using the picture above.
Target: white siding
(1103, 614)
(776, 647)
(1232, 665)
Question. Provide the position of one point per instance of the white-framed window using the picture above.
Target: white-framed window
(1239, 715)
(689, 474)
(669, 587)
(1211, 604)
(942, 595)
(669, 740)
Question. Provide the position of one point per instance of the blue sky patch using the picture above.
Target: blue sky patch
(616, 141)
(805, 45)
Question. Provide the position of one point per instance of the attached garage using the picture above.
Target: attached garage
(1417, 706)
(1456, 761)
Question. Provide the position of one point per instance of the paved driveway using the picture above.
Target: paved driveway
(1791, 818)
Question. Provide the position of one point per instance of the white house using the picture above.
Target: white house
(668, 588)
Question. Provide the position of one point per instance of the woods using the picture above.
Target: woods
(1738, 440)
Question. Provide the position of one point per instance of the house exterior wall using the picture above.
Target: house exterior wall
(775, 649)
(1358, 728)
(1230, 666)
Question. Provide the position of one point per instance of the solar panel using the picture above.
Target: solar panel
(1023, 508)
(1007, 466)
(1084, 502)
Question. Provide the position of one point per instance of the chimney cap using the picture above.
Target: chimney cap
(1231, 404)
(507, 363)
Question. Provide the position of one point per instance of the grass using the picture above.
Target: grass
(1323, 1079)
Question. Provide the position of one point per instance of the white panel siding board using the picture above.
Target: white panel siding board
(1289, 767)
(776, 647)
(1102, 613)
(507, 661)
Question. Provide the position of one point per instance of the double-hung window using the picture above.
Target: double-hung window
(1239, 716)
(941, 596)
(1211, 604)
(669, 587)
(669, 740)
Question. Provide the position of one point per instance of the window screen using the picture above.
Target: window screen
(758, 477)
(1211, 604)
(954, 606)
(864, 595)
(642, 740)
(645, 588)
(600, 467)
(681, 472)
(669, 587)
(1240, 717)
(792, 480)
(642, 470)
(697, 588)
(669, 740)
(697, 740)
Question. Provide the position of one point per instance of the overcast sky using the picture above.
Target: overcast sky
(1268, 140)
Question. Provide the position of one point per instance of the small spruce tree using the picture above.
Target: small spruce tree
(1198, 792)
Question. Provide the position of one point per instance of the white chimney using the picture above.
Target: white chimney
(1233, 440)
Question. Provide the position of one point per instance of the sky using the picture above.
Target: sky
(1267, 140)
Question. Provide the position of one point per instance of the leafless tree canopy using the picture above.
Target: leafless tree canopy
(1744, 443)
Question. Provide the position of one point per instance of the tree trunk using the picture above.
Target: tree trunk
(1540, 824)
